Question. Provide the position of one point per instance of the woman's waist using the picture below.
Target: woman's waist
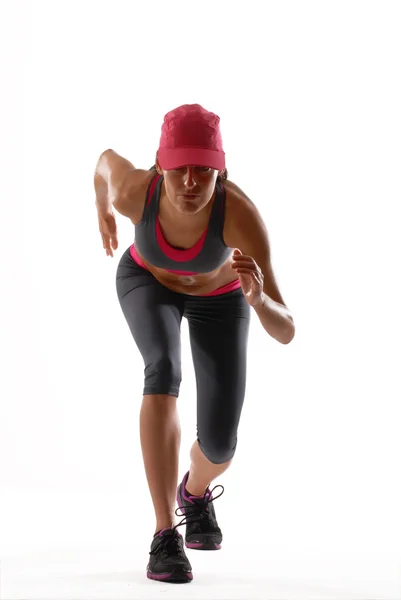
(188, 282)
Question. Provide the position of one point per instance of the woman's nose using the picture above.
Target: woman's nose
(190, 177)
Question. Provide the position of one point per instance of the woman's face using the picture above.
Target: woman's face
(189, 189)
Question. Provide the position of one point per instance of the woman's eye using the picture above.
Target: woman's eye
(202, 169)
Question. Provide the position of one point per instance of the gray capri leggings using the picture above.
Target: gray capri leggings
(218, 327)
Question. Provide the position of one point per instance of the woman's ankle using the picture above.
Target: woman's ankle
(161, 525)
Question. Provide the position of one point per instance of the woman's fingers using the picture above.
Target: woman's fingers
(106, 244)
(108, 231)
(248, 265)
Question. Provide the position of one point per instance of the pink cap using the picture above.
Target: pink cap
(191, 136)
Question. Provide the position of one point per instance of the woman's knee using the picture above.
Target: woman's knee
(162, 404)
(163, 376)
(218, 449)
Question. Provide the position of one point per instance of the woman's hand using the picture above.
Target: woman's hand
(250, 277)
(108, 230)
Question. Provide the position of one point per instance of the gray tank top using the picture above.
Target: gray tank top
(209, 252)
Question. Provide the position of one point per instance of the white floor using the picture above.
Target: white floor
(64, 564)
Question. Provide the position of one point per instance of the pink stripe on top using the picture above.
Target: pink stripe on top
(140, 262)
(224, 289)
(152, 188)
(173, 253)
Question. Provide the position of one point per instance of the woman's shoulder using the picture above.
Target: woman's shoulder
(240, 212)
(238, 203)
(131, 200)
(137, 181)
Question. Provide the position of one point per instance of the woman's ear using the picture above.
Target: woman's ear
(158, 168)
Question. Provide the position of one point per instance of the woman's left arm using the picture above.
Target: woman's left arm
(246, 231)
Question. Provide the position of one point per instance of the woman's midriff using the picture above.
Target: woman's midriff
(221, 281)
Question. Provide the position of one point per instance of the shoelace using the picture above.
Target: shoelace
(171, 543)
(200, 510)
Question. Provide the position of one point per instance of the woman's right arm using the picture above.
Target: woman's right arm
(118, 183)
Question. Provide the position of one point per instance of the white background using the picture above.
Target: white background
(309, 97)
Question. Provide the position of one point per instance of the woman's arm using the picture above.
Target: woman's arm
(117, 183)
(110, 173)
(246, 230)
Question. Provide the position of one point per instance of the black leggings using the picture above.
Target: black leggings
(218, 328)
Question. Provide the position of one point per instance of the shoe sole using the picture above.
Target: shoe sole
(176, 576)
(203, 545)
(207, 544)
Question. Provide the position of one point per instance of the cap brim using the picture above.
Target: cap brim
(183, 157)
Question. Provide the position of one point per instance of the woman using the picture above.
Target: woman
(188, 219)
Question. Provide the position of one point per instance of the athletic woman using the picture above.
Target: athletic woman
(202, 252)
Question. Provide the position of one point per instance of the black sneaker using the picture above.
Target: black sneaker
(202, 530)
(168, 561)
